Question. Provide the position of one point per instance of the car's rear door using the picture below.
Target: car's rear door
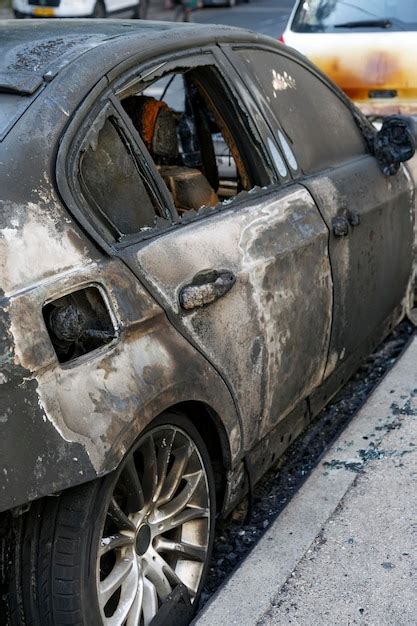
(267, 330)
(369, 216)
(268, 336)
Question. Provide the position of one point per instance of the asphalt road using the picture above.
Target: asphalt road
(266, 16)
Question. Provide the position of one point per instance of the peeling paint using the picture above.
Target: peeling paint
(119, 388)
(34, 245)
(267, 244)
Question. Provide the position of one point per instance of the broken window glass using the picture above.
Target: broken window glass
(113, 183)
(188, 139)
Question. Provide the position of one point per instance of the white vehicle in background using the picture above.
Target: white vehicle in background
(368, 47)
(80, 8)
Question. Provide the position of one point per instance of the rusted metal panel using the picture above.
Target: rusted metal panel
(258, 335)
(379, 81)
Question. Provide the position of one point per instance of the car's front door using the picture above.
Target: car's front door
(248, 280)
(369, 216)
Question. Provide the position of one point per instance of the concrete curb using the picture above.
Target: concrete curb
(249, 592)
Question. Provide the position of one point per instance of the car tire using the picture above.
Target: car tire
(18, 15)
(231, 3)
(99, 10)
(126, 540)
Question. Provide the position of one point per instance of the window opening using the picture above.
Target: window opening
(181, 124)
(113, 184)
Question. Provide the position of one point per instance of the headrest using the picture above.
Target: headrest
(157, 125)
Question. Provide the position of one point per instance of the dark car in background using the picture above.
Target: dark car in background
(170, 322)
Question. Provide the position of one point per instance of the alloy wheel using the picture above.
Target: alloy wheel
(157, 528)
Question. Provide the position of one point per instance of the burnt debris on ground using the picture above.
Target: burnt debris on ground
(234, 537)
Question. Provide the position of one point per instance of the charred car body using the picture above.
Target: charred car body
(168, 325)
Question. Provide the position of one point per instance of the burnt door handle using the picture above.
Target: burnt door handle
(340, 226)
(340, 223)
(206, 288)
(354, 218)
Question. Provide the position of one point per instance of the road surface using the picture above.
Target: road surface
(266, 16)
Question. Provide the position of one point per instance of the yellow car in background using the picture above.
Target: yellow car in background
(368, 47)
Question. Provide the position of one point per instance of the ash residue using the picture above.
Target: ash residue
(35, 57)
(234, 537)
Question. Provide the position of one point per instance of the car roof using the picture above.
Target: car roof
(31, 49)
(34, 52)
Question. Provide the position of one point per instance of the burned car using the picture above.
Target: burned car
(170, 324)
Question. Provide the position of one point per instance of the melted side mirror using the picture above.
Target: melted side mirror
(395, 143)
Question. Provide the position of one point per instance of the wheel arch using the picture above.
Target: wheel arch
(211, 429)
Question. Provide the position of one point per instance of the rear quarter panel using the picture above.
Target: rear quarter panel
(64, 425)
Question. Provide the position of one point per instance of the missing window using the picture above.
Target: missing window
(112, 183)
(183, 124)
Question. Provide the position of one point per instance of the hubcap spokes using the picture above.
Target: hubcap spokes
(157, 528)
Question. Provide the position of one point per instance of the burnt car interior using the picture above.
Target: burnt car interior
(194, 135)
(189, 139)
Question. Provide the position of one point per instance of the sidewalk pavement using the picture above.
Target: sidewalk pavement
(344, 551)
